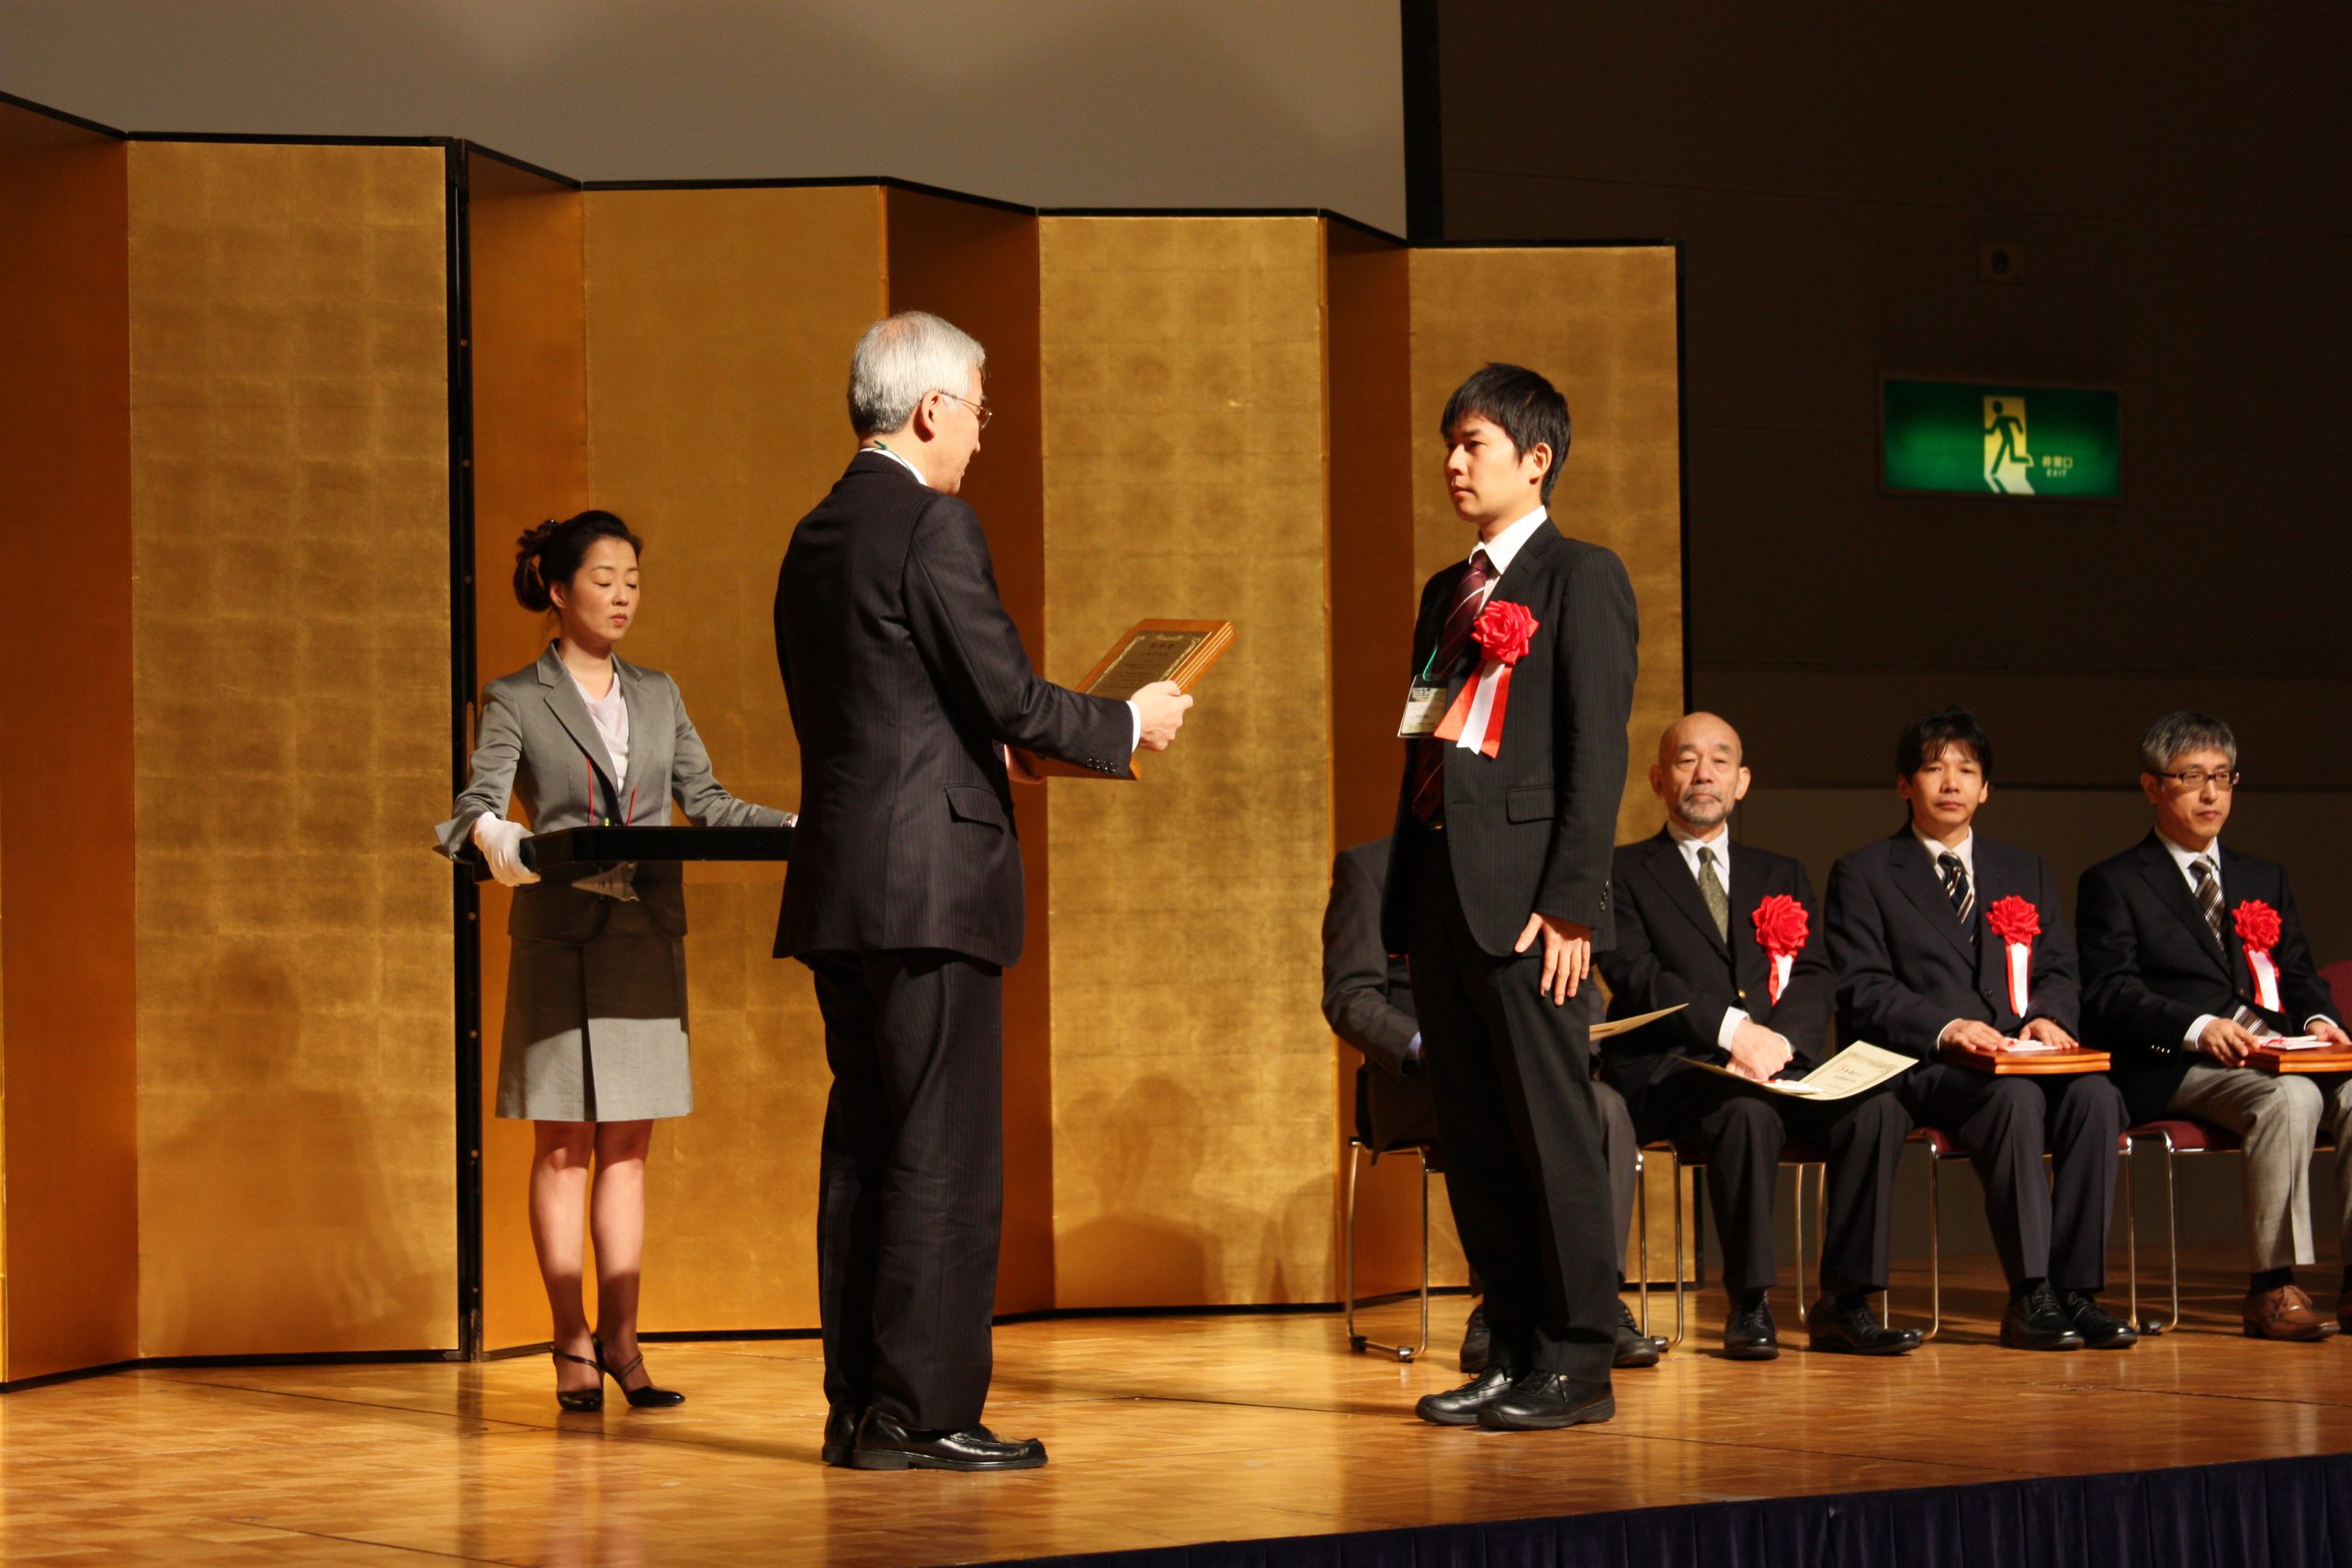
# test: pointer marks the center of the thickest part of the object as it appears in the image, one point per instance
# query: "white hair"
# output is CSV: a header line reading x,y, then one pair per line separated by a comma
x,y
899,360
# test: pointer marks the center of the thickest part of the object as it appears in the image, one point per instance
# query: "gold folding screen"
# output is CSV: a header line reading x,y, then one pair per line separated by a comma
x,y
290,632
234,1134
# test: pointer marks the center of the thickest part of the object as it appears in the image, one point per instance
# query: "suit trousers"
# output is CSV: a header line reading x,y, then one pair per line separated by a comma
x,y
910,1194
1619,1145
1741,1128
1521,1133
2052,1229
2278,1118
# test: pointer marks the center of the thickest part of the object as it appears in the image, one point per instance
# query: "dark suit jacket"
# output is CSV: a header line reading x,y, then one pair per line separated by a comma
x,y
1530,830
1368,1001
1906,966
1668,952
2151,967
904,672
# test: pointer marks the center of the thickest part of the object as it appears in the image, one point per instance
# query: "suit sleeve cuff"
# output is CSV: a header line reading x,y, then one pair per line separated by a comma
x,y
1733,1019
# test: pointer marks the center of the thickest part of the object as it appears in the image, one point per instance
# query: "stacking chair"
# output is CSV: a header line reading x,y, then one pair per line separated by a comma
x,y
1942,1147
1803,1157
1409,1121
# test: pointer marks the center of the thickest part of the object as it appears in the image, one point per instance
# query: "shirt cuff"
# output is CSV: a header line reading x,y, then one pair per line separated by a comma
x,y
2319,1017
1733,1019
1947,1029
1413,1048
1135,728
2196,1030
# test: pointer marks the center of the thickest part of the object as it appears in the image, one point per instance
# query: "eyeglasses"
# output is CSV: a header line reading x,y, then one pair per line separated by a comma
x,y
2196,779
980,412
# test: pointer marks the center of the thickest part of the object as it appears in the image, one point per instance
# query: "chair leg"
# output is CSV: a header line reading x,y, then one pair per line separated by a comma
x,y
1796,1211
1422,1349
1348,1248
1935,1249
2131,1236
1681,1321
1642,1224
2172,1231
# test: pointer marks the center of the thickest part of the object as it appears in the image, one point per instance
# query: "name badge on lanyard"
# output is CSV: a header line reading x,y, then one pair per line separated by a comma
x,y
1424,707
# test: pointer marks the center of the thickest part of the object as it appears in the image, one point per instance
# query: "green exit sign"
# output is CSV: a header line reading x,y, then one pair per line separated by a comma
x,y
1999,438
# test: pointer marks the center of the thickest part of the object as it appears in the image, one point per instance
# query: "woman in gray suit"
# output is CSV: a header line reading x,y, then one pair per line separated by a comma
x,y
594,1049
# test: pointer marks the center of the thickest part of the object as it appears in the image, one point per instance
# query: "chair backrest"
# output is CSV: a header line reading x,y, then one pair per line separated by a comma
x,y
2338,976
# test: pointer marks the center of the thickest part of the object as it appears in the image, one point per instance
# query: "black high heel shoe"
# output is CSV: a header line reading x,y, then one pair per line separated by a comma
x,y
587,1399
645,1398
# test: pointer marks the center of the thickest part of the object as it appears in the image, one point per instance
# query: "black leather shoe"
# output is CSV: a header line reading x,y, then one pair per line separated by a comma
x,y
1475,1342
1849,1326
2036,1322
1541,1402
1460,1407
841,1433
2099,1331
1749,1334
1635,1348
883,1444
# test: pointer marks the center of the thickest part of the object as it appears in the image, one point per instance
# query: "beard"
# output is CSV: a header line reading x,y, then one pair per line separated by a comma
x,y
1702,810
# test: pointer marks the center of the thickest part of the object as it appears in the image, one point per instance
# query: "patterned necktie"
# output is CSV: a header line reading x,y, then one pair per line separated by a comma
x,y
1956,888
1711,888
1453,643
2208,898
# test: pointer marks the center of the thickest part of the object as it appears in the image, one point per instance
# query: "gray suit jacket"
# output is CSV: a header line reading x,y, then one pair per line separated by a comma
x,y
535,734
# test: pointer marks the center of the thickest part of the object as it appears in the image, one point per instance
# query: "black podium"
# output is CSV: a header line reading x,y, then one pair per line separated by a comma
x,y
610,846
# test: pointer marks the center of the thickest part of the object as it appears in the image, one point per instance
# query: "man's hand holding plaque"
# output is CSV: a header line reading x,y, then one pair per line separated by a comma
x,y
1151,667
1159,712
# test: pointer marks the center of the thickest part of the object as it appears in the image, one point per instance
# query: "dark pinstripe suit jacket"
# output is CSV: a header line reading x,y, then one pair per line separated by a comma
x,y
1906,966
1533,828
904,672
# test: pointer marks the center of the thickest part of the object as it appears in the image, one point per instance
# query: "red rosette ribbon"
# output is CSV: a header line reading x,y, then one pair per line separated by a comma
x,y
1781,927
2016,922
1474,722
2258,928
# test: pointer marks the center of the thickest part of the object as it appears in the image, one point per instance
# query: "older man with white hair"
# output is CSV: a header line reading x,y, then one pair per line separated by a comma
x,y
907,682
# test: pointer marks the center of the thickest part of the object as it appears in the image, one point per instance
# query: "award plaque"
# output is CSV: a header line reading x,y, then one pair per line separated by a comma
x,y
2300,1054
2033,1060
1180,651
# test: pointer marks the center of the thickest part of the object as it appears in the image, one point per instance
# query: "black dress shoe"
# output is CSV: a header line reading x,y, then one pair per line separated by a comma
x,y
1846,1325
1475,1342
841,1433
2099,1331
1749,1334
1460,1407
883,1444
645,1398
2035,1321
1635,1348
1541,1402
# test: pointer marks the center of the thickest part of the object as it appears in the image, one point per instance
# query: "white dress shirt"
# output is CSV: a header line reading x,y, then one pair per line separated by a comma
x,y
1504,548
1720,842
610,714
2186,858
1135,714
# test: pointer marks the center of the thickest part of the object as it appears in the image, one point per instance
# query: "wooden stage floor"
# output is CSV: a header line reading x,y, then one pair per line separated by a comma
x,y
1162,1430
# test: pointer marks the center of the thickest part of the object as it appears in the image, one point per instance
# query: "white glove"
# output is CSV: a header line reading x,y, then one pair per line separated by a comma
x,y
500,841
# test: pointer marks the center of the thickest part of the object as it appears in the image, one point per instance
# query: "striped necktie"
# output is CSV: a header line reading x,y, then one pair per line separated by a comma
x,y
2208,898
1956,888
1711,888
1453,643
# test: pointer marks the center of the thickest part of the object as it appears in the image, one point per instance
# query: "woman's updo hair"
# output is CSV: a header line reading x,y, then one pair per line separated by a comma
x,y
552,552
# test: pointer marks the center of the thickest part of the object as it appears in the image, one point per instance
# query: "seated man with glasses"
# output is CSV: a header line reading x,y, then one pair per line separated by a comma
x,y
2191,954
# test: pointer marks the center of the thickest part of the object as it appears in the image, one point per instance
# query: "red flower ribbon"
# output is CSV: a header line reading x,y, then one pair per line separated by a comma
x,y
1781,927
2258,928
2016,922
1502,632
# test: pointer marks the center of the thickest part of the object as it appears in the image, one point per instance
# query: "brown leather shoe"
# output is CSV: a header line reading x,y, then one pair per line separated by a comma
x,y
2285,1313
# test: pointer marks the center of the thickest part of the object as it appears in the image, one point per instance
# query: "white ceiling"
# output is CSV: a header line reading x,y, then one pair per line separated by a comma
x,y
1056,103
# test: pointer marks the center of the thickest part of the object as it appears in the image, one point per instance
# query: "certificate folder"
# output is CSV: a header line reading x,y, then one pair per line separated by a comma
x,y
610,846
1181,651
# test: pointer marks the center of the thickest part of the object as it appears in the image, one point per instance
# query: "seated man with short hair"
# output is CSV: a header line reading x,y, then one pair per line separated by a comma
x,y
2191,954
1725,932
1921,926
1368,1001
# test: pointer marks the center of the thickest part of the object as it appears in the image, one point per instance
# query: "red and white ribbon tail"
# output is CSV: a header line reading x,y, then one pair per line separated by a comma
x,y
2020,955
1783,963
2266,977
1482,726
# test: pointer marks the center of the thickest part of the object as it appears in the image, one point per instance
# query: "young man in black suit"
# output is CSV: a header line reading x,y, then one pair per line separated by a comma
x,y
907,681
2174,988
1522,680
1368,1001
1920,928
1730,934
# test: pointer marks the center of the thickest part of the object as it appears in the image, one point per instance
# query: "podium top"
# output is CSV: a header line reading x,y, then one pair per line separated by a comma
x,y
605,846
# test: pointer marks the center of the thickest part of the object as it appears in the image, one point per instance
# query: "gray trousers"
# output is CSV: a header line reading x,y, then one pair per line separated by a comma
x,y
2280,1119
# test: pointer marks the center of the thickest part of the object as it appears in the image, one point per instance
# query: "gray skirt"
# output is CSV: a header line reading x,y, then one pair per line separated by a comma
x,y
597,1031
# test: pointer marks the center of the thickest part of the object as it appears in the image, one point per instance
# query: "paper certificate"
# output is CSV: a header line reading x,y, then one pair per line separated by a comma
x,y
1854,1070
1617,1026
